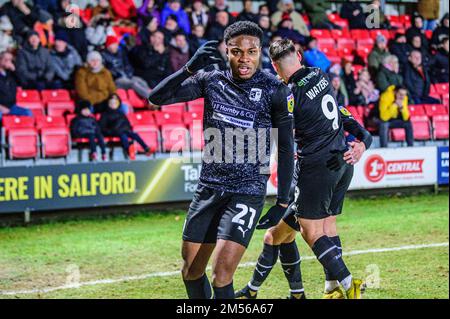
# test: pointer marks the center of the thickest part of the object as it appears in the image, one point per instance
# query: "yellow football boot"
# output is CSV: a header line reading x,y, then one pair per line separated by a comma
x,y
336,293
354,292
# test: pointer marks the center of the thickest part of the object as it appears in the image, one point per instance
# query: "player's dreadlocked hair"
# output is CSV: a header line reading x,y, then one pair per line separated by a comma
x,y
280,48
242,28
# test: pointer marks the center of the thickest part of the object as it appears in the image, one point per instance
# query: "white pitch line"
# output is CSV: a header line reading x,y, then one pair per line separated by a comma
x,y
174,273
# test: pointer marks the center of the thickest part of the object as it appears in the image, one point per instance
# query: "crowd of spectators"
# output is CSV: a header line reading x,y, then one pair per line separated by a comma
x,y
53,44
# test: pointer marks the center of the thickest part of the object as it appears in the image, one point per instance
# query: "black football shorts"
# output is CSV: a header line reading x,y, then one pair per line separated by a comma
x,y
321,191
214,214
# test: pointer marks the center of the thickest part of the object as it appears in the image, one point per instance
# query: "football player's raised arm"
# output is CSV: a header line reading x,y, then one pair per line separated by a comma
x,y
178,87
282,120
353,127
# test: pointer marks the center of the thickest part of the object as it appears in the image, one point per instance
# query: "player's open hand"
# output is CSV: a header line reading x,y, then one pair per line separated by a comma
x,y
353,155
272,217
203,57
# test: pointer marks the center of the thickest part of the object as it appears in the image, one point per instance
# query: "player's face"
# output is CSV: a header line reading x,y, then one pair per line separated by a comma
x,y
244,54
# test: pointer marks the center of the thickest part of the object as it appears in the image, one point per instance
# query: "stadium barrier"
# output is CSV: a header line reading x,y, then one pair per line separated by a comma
x,y
87,185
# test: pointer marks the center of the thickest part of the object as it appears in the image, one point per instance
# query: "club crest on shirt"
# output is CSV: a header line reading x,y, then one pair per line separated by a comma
x,y
290,103
255,94
345,111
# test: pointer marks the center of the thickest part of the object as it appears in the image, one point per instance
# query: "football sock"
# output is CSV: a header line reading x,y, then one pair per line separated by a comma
x,y
330,281
265,263
198,288
226,292
290,261
346,282
330,257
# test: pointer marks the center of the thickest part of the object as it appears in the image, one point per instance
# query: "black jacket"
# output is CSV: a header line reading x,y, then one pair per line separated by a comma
x,y
355,22
114,123
440,32
440,69
117,64
400,50
418,86
215,32
412,32
22,23
8,87
151,65
82,126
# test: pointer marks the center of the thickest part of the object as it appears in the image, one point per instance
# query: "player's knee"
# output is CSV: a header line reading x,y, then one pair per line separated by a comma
x,y
190,272
222,276
311,235
290,238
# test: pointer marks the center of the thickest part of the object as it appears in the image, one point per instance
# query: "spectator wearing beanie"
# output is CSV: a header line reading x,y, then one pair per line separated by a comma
x,y
286,30
123,9
94,83
65,60
34,67
316,58
287,7
116,61
173,7
378,53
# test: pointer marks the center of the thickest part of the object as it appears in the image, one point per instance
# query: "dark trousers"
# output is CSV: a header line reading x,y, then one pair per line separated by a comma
x,y
93,143
133,136
426,100
384,131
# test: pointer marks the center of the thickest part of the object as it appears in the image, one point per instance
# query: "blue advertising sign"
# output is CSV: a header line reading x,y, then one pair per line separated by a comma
x,y
442,165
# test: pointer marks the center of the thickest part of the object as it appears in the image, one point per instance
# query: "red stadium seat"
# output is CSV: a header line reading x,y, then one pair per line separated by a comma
x,y
197,105
346,43
363,53
435,109
176,107
144,118
150,135
174,138
334,59
338,34
320,33
416,109
12,122
123,95
27,96
135,100
59,108
23,143
440,127
398,134
365,43
433,92
360,34
329,51
421,127
442,88
189,117
398,25
36,107
334,17
326,43
55,95
342,23
55,141
163,118
50,121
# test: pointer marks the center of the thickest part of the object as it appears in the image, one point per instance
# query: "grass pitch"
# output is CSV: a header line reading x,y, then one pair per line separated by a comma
x,y
118,248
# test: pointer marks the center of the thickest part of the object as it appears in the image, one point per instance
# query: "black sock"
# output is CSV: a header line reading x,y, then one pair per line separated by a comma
x,y
337,241
330,257
226,292
265,263
198,288
290,261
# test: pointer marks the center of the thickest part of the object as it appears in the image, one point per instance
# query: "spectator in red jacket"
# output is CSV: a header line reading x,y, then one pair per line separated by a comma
x,y
123,9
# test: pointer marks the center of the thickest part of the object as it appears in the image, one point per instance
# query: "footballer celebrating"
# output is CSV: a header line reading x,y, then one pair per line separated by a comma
x,y
279,240
324,175
230,195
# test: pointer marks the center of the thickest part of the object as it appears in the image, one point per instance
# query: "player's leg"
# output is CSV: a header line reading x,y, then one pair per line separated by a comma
x,y
290,261
332,287
195,259
225,261
199,238
235,231
273,238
